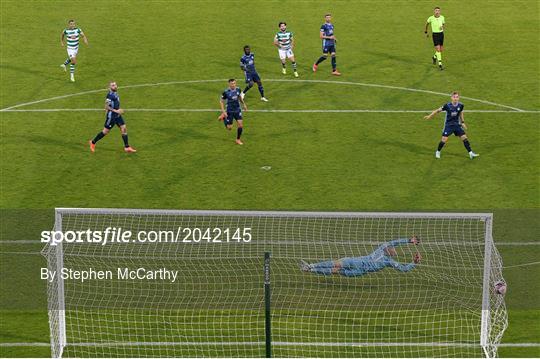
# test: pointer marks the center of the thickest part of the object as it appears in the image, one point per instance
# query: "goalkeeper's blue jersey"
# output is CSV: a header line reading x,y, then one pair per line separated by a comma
x,y
377,260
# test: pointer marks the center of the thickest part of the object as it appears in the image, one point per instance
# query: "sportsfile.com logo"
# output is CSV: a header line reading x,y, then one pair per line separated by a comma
x,y
118,235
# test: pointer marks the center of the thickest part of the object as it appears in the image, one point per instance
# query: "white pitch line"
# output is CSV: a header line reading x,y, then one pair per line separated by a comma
x,y
323,344
268,80
257,110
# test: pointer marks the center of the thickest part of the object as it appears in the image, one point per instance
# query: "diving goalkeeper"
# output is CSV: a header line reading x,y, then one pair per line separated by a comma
x,y
374,262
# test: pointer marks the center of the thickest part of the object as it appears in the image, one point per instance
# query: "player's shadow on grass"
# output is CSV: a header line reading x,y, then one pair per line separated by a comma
x,y
38,73
407,146
172,136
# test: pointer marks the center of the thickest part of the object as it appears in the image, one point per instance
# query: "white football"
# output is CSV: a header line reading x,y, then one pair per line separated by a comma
x,y
500,287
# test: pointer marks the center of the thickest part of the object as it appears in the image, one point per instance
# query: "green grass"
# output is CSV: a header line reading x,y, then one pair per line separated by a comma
x,y
320,161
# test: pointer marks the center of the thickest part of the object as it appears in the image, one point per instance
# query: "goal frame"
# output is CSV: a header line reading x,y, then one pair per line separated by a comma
x,y
57,317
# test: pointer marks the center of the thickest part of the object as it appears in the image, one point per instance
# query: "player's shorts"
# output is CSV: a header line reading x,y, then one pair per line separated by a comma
x,y
285,54
72,52
111,121
231,116
252,76
329,49
438,38
453,129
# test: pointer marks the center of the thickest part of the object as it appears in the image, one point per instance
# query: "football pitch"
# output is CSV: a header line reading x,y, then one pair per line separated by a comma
x,y
357,142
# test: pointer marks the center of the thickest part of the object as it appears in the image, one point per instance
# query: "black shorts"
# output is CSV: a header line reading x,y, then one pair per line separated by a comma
x,y
111,121
453,130
231,116
329,49
438,38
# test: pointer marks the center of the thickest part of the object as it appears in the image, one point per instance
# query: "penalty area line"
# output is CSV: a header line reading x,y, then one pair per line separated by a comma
x,y
257,110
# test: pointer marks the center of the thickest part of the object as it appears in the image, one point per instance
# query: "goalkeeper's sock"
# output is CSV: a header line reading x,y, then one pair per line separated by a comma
x,y
98,137
321,59
67,61
239,132
125,139
438,54
441,145
467,145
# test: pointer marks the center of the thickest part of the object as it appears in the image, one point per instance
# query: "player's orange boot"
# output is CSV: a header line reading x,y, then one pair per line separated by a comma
x,y
92,146
314,68
336,73
238,142
130,149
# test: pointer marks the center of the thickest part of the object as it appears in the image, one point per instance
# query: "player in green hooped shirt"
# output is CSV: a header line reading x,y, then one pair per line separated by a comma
x,y
70,39
437,30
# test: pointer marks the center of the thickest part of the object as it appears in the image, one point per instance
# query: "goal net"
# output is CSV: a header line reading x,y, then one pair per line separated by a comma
x,y
163,283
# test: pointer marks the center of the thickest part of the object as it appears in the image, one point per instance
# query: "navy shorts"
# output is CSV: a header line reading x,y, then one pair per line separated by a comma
x,y
438,38
252,76
110,122
453,129
329,49
231,116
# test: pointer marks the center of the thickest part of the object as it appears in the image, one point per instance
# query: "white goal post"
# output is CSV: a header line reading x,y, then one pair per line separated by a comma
x,y
190,283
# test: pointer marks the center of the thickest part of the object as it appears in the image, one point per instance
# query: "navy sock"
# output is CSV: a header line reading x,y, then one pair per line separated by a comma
x,y
467,145
247,88
98,137
125,138
321,59
334,63
239,132
441,145
261,90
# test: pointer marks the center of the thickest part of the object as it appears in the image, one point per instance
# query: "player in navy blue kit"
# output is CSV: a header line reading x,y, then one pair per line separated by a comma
x,y
453,124
247,64
328,44
232,96
114,117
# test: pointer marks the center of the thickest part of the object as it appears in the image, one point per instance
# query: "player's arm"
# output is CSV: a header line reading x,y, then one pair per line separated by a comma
x,y
276,42
292,42
62,38
242,65
222,105
406,267
323,36
243,103
426,28
85,39
435,112
462,120
109,108
398,242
